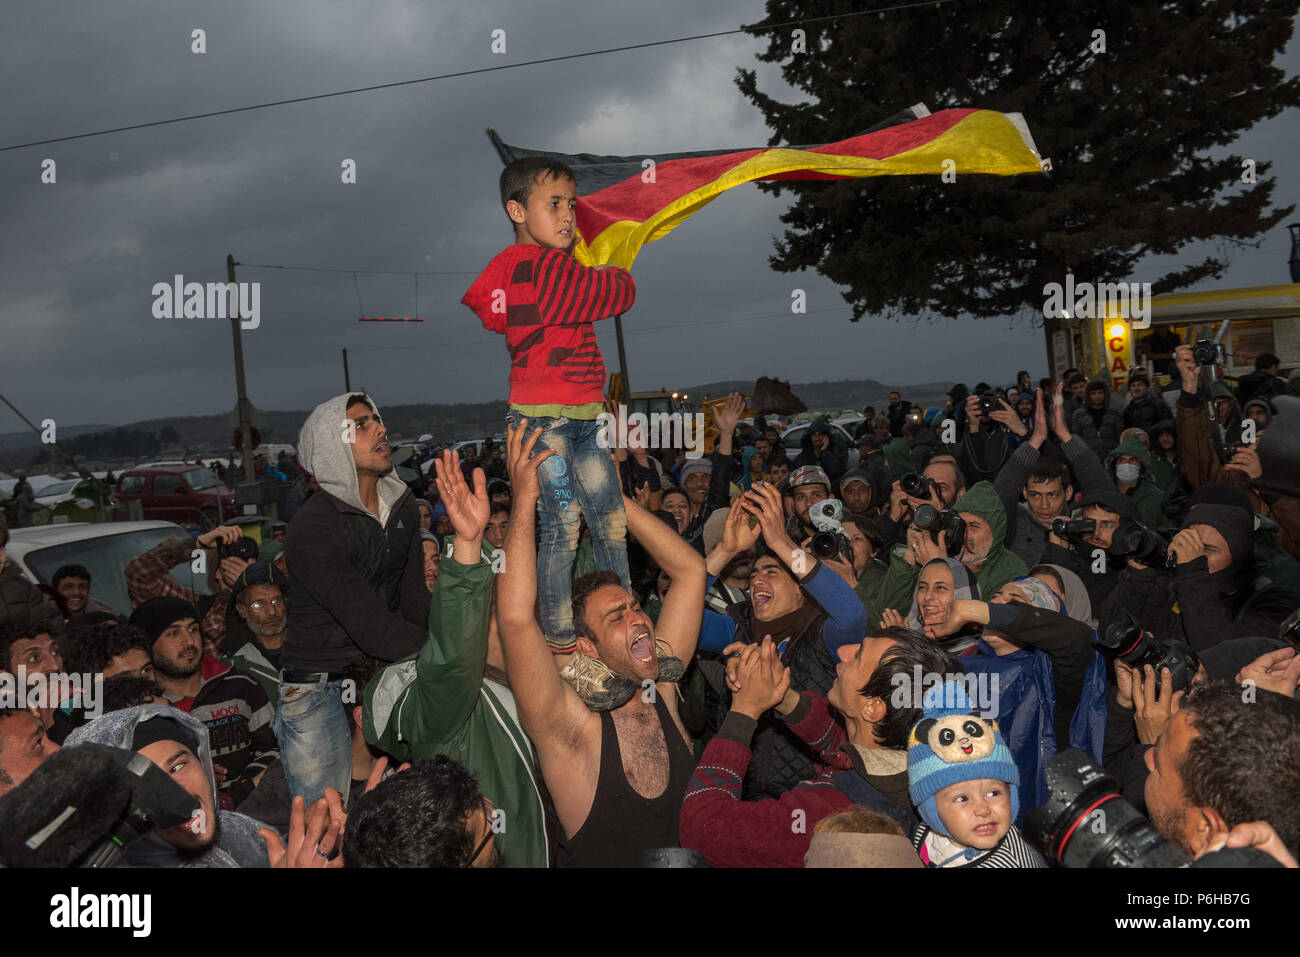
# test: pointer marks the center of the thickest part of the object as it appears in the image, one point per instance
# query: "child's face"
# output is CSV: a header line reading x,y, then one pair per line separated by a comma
x,y
976,813
548,219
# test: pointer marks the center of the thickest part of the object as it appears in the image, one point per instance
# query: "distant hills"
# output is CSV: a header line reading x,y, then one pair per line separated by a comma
x,y
106,445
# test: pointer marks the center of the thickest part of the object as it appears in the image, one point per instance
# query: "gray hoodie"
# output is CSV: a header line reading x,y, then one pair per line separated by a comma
x,y
238,844
324,453
356,584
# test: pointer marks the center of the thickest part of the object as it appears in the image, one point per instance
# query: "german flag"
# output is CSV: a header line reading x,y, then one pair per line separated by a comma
x,y
625,202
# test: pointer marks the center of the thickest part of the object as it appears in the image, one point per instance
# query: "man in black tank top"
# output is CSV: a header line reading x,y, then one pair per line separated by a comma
x,y
617,778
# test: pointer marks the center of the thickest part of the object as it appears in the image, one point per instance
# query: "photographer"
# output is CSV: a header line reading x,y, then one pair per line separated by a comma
x,y
1214,592
1222,762
1088,554
807,609
940,484
1043,482
149,576
1202,466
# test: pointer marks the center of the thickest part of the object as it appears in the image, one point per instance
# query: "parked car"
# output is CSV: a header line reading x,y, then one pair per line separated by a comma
x,y
189,494
74,500
104,549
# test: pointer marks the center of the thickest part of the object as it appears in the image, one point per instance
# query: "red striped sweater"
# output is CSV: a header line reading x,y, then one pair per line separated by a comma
x,y
545,302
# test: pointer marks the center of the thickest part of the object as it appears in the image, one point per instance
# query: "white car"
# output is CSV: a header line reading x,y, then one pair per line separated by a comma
x,y
105,549
65,491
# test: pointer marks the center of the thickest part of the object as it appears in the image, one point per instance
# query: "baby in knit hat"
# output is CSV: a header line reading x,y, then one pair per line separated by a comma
x,y
965,787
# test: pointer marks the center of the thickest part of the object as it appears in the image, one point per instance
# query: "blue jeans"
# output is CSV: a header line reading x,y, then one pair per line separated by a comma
x,y
315,738
579,479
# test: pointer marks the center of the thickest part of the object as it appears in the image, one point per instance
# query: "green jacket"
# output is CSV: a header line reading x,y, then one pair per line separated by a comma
x,y
249,657
868,590
439,702
1147,496
1001,566
899,456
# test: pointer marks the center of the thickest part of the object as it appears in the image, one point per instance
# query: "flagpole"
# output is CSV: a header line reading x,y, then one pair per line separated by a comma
x,y
622,353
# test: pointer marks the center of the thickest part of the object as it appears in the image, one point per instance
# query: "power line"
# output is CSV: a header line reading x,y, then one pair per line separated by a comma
x,y
377,272
460,73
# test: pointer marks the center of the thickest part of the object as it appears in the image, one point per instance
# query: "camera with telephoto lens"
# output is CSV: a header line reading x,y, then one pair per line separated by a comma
x,y
243,547
917,486
829,541
1134,540
1077,528
1087,823
1127,642
936,520
1207,352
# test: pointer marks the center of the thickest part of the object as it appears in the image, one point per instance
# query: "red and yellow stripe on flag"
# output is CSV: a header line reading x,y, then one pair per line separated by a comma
x,y
616,221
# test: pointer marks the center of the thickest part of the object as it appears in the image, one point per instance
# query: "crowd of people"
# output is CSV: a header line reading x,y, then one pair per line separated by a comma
x,y
563,654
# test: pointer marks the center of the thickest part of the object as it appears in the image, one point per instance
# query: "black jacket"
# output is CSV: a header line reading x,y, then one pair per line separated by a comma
x,y
355,589
781,758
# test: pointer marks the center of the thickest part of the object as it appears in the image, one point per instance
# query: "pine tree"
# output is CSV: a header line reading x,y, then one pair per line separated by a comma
x,y
1128,117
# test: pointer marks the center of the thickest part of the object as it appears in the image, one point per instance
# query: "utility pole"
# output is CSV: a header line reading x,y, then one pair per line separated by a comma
x,y
245,419
347,380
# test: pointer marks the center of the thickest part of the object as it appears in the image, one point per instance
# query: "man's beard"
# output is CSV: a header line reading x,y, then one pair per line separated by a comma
x,y
263,630
1169,823
170,669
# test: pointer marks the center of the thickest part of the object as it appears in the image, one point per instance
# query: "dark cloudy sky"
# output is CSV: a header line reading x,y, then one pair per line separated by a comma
x,y
78,342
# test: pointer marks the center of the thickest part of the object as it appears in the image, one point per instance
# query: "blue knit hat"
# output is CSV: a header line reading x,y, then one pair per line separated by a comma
x,y
951,744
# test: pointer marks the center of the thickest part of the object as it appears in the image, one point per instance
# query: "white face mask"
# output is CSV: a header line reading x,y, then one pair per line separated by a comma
x,y
1128,472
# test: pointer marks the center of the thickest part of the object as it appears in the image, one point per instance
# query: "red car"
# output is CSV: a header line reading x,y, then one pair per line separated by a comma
x,y
189,494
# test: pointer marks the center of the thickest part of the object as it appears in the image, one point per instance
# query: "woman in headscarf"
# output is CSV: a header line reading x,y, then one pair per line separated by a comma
x,y
1047,683
942,581
1070,588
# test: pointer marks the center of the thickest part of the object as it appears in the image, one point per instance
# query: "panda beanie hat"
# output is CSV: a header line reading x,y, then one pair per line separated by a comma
x,y
951,744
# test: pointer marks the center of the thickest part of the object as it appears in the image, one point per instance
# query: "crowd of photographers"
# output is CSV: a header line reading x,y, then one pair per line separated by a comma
x,y
947,647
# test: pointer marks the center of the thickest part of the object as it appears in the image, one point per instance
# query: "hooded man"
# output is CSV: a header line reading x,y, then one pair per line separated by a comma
x,y
1215,591
178,743
1129,464
818,450
356,586
229,701
985,550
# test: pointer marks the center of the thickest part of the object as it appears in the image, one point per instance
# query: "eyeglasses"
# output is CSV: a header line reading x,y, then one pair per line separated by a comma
x,y
261,604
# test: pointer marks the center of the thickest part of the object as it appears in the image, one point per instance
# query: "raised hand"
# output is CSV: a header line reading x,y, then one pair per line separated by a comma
x,y
763,501
522,464
314,834
1039,435
1059,425
740,532
729,413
